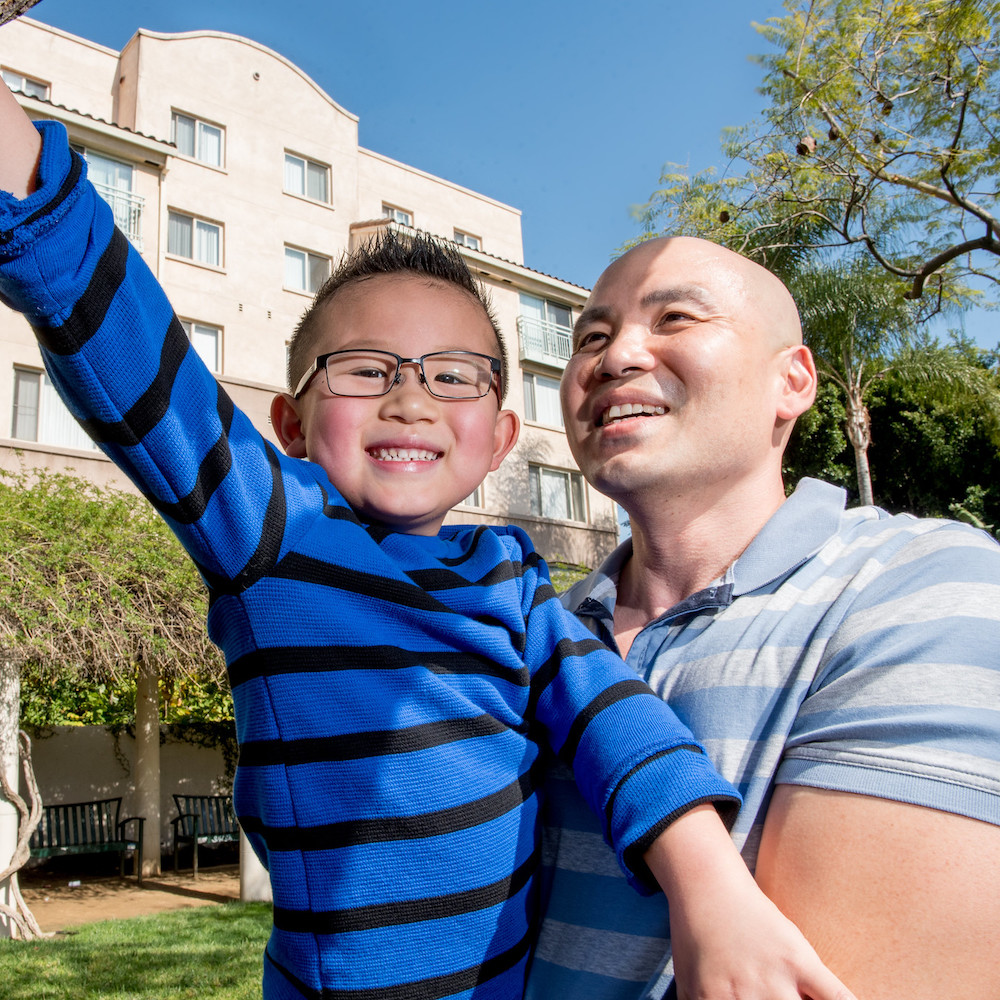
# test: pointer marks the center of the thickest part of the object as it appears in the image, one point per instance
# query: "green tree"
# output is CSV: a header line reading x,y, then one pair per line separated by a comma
x,y
94,587
883,128
861,330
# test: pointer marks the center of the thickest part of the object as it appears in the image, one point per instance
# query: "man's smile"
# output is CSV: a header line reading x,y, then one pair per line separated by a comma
x,y
625,411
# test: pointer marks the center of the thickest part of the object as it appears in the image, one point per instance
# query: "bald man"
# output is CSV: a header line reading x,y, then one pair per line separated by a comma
x,y
842,667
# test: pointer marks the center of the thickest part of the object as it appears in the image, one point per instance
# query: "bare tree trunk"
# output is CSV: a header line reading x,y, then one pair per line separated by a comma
x,y
859,433
17,820
147,763
10,698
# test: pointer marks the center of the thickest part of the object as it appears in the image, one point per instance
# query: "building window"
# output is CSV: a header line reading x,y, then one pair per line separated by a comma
x,y
474,499
197,139
305,271
25,85
40,415
472,242
546,330
207,342
399,215
113,181
307,179
557,494
194,238
541,400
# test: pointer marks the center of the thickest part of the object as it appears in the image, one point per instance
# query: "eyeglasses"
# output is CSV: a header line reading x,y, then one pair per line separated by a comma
x,y
446,374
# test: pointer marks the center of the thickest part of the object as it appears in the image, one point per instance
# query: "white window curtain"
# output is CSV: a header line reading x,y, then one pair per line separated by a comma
x,y
210,144
179,239
56,425
208,245
295,181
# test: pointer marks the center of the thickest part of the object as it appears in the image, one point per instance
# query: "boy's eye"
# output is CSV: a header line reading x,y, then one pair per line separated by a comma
x,y
455,378
368,373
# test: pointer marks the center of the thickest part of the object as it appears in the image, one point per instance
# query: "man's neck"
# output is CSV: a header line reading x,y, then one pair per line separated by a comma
x,y
680,547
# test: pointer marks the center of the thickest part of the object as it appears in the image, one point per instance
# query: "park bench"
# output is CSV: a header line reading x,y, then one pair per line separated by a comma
x,y
87,828
203,819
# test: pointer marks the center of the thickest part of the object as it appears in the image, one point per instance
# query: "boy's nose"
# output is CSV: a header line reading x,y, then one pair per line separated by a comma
x,y
409,398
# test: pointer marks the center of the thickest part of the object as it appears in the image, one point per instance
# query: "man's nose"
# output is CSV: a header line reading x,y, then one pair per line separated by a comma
x,y
628,350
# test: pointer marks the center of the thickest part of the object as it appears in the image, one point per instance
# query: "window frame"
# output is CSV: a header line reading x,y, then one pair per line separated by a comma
x,y
463,238
576,493
195,221
25,80
189,326
531,402
476,500
308,162
393,213
45,422
198,125
308,272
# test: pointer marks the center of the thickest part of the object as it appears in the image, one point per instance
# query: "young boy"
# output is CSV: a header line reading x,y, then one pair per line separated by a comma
x,y
394,681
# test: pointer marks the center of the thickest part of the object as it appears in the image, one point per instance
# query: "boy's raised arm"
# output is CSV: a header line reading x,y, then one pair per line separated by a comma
x,y
20,146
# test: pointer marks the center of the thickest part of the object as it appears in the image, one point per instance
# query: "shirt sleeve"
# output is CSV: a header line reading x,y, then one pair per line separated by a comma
x,y
906,704
637,766
123,364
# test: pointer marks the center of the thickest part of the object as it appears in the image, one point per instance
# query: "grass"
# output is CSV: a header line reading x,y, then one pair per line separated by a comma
x,y
205,952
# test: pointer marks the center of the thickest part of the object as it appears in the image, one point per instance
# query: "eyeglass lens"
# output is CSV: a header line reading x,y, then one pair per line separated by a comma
x,y
452,375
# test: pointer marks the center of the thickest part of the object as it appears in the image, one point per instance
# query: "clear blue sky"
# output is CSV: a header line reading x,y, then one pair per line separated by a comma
x,y
565,110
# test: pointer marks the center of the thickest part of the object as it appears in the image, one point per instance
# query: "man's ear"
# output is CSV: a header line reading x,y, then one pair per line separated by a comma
x,y
504,436
798,386
287,424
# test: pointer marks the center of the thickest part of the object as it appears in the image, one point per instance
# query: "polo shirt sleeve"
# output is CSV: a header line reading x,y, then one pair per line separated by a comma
x,y
906,703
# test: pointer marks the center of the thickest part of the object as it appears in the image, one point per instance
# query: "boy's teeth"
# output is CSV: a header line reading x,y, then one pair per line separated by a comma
x,y
404,455
630,410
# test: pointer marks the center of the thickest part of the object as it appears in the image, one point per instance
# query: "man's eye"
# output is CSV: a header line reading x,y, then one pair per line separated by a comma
x,y
590,341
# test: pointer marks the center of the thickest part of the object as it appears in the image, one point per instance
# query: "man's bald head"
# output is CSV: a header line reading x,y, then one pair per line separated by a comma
x,y
768,307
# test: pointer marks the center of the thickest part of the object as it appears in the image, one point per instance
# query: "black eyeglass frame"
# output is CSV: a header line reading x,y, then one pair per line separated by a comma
x,y
319,364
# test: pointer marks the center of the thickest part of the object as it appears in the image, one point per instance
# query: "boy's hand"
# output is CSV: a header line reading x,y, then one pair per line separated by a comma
x,y
729,941
9,9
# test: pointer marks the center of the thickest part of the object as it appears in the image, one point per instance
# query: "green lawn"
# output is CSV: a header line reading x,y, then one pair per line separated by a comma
x,y
204,953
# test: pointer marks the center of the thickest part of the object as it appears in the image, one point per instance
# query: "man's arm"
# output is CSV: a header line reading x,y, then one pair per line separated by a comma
x,y
21,146
902,902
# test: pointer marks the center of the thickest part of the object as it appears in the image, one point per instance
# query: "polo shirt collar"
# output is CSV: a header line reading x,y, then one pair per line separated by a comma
x,y
796,530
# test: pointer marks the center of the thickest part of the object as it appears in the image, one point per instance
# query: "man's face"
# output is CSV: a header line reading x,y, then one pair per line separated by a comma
x,y
407,457
671,385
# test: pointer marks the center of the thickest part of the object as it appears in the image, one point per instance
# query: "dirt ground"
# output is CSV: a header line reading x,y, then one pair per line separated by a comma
x,y
63,899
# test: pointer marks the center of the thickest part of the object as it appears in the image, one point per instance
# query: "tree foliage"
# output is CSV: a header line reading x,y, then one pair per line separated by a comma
x,y
92,582
882,130
861,329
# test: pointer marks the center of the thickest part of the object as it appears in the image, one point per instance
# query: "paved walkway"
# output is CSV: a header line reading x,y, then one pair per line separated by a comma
x,y
58,904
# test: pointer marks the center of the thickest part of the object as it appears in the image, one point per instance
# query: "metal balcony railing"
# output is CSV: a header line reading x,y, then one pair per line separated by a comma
x,y
127,209
544,342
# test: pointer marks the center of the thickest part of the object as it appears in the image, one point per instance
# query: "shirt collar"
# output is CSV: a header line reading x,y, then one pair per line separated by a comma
x,y
797,529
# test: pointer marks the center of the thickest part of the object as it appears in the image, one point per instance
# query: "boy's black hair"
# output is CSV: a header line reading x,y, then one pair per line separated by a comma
x,y
391,253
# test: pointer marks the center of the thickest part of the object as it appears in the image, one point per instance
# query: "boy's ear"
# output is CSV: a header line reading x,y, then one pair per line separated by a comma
x,y
798,388
504,436
287,424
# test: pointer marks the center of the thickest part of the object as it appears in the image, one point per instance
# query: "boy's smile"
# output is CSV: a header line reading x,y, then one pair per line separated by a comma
x,y
407,457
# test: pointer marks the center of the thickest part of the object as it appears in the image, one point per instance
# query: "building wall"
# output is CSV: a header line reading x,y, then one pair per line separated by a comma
x,y
120,105
83,763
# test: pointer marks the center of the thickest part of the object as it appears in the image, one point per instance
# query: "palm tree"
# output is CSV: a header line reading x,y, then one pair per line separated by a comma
x,y
860,329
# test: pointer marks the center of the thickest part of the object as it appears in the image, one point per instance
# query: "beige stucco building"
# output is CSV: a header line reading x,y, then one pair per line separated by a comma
x,y
240,180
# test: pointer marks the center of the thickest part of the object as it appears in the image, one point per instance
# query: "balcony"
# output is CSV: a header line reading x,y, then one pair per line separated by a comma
x,y
127,210
544,342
